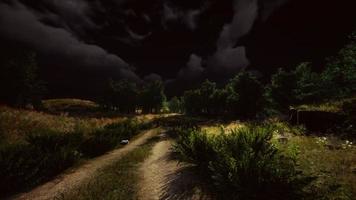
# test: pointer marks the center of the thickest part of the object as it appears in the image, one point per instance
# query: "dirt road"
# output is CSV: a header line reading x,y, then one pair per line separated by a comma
x,y
73,179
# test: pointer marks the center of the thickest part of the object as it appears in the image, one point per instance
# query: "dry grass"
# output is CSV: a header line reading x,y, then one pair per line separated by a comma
x,y
332,106
15,123
65,103
215,129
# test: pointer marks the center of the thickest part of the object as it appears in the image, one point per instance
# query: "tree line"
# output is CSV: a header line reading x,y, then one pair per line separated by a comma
x,y
127,97
244,96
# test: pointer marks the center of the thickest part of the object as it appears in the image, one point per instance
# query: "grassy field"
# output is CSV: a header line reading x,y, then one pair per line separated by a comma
x,y
329,161
36,146
58,116
15,124
329,106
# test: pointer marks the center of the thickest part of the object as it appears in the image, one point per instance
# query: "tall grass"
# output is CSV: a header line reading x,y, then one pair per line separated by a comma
x,y
15,124
44,153
110,136
242,163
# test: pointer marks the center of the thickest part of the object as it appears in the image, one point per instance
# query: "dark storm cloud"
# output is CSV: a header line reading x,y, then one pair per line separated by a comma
x,y
180,39
74,13
246,12
137,36
227,62
19,23
193,70
270,6
188,17
228,59
189,76
231,59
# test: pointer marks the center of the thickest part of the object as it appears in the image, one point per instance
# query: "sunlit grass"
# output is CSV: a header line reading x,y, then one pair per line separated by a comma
x,y
15,123
331,106
216,129
330,159
65,103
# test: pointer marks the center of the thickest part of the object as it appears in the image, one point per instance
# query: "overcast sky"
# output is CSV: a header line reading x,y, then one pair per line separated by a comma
x,y
177,41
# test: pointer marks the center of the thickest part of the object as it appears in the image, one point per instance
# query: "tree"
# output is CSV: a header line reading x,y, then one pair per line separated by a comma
x,y
246,95
281,92
309,85
339,78
152,97
125,96
192,102
175,105
207,91
19,81
219,101
121,96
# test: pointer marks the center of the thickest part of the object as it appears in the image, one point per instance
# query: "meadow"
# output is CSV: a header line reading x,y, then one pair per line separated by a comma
x,y
326,164
251,159
37,146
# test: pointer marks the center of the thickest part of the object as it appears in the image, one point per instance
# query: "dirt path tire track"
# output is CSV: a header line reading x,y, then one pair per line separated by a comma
x,y
163,178
72,180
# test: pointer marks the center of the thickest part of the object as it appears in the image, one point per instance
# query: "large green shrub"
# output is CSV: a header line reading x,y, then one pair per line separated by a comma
x,y
194,146
242,164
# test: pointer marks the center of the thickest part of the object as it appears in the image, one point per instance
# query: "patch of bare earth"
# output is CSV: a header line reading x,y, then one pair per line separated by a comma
x,y
162,177
71,180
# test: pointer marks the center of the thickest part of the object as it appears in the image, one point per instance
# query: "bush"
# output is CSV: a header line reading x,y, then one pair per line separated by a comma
x,y
109,137
51,141
194,146
242,164
45,155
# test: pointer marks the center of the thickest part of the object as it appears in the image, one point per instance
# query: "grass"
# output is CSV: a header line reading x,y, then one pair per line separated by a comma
x,y
330,159
330,106
15,124
63,104
242,163
36,146
45,153
118,181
